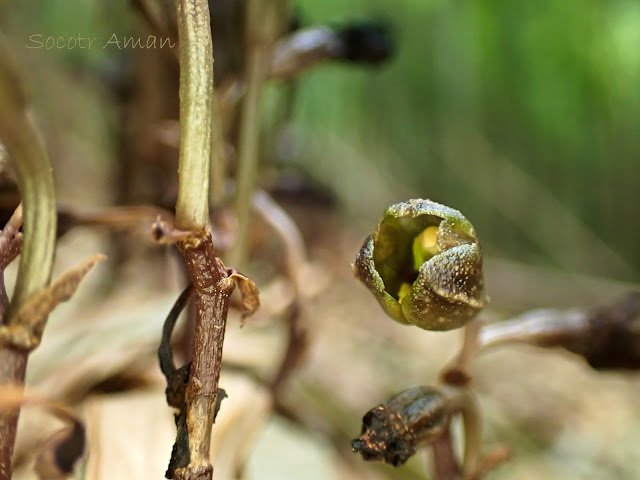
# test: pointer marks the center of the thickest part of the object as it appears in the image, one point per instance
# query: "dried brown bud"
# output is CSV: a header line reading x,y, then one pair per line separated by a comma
x,y
393,430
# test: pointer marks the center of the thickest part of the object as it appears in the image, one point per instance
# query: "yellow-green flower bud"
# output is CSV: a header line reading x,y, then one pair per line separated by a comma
x,y
424,265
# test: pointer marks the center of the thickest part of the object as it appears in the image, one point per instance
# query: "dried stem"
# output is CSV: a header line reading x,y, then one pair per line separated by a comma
x,y
445,463
165,356
29,159
297,343
213,289
60,452
10,246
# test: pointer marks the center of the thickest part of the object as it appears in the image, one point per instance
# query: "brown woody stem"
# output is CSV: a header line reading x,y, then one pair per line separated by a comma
x,y
213,289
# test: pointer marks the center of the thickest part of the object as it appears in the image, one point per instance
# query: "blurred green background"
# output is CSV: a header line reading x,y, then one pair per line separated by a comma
x,y
523,115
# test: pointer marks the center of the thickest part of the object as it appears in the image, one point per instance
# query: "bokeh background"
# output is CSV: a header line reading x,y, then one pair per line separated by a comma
x,y
523,115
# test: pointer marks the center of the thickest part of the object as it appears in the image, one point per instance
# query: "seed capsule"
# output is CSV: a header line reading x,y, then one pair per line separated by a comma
x,y
392,431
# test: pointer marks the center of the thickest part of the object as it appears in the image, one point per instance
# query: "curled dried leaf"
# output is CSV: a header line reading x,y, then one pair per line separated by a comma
x,y
250,295
24,330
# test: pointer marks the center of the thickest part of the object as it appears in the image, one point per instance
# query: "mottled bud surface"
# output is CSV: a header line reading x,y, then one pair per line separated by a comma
x,y
423,263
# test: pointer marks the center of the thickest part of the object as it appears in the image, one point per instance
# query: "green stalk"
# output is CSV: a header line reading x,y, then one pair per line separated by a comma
x,y
196,102
28,157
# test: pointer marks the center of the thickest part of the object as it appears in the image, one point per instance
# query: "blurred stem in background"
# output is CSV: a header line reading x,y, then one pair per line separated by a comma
x,y
264,23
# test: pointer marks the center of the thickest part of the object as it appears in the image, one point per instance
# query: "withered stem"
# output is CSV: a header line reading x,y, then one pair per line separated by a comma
x,y
10,246
213,289
165,355
444,457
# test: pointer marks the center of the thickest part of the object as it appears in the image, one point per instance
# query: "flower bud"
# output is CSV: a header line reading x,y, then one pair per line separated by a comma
x,y
423,263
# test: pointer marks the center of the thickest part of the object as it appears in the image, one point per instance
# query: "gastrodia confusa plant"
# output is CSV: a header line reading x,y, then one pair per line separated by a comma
x,y
423,263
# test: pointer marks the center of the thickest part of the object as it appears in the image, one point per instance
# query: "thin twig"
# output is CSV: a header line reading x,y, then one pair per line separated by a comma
x,y
10,247
490,460
114,218
445,463
177,379
297,335
297,343
154,18
60,453
165,356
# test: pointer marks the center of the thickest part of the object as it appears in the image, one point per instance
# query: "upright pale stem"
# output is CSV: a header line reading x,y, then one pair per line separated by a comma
x,y
196,101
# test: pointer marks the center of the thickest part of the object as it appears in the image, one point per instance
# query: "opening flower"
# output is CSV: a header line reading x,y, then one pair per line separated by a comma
x,y
423,263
